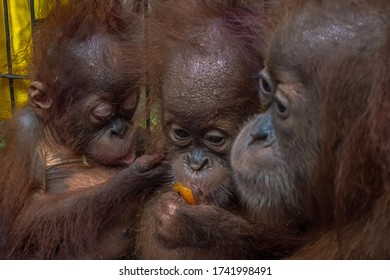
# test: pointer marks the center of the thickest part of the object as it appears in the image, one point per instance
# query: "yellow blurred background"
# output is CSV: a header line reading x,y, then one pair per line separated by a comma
x,y
19,18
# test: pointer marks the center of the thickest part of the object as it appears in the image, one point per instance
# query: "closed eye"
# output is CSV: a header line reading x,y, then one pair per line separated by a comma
x,y
102,111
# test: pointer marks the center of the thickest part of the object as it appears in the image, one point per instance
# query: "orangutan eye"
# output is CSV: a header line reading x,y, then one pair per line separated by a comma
x,y
130,103
180,135
265,84
265,87
215,137
282,106
102,111
217,141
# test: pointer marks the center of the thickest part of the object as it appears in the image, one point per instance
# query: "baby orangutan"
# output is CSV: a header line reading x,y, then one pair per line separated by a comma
x,y
70,183
207,92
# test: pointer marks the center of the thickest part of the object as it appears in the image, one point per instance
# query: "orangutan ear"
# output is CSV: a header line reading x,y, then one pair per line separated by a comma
x,y
38,96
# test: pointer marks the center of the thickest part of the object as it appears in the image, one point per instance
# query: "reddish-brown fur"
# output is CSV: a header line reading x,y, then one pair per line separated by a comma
x,y
330,60
204,57
65,190
316,181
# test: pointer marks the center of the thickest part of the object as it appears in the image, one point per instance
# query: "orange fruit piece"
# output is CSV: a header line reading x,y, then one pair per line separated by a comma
x,y
185,192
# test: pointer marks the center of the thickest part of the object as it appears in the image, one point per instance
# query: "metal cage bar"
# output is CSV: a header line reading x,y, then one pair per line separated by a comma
x,y
32,12
11,76
8,48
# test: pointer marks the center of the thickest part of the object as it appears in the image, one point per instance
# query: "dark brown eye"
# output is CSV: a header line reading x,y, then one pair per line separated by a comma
x,y
180,135
281,108
217,141
265,87
215,137
265,84
281,105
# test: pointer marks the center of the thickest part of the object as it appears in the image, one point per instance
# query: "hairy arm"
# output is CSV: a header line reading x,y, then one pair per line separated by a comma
x,y
172,229
365,238
42,225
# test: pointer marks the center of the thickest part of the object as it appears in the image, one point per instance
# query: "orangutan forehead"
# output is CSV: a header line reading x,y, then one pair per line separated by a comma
x,y
100,60
319,33
203,80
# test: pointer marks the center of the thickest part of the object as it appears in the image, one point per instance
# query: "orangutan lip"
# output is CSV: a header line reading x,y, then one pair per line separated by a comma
x,y
129,158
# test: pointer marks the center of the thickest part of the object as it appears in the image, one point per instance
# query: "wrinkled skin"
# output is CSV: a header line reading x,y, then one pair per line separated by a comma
x,y
71,184
304,162
200,122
